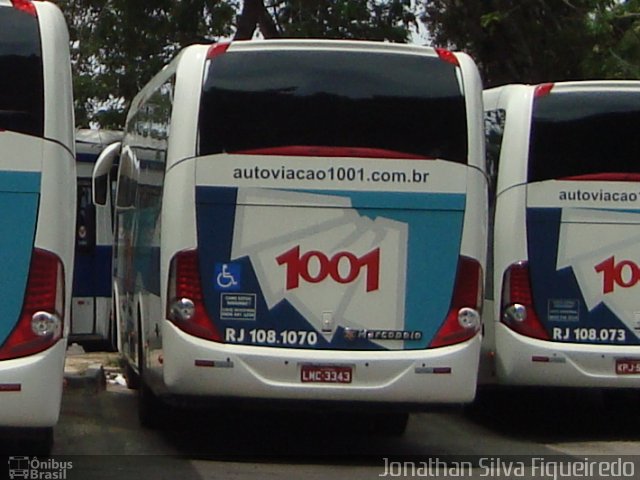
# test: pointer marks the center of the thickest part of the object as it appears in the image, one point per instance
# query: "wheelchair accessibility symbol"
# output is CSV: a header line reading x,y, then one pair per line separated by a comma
x,y
228,276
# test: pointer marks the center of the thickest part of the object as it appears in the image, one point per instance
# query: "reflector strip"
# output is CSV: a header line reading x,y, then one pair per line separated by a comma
x,y
543,359
213,363
10,387
318,151
537,358
204,363
434,370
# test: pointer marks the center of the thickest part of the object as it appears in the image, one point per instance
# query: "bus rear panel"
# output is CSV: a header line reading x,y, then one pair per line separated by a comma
x,y
36,192
568,312
335,206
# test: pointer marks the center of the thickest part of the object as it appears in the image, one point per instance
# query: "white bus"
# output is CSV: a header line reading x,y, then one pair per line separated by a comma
x,y
303,220
91,323
567,223
37,212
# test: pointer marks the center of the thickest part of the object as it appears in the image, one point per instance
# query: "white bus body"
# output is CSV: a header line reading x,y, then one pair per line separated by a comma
x,y
565,310
91,322
286,231
37,205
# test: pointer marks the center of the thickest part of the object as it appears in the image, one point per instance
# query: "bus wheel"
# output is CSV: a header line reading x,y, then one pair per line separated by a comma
x,y
130,376
150,408
112,334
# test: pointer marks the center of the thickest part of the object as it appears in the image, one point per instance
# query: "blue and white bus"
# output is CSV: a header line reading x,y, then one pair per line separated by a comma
x,y
37,211
303,220
92,325
567,223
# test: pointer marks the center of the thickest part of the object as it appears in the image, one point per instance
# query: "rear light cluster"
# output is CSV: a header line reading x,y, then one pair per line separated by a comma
x,y
185,300
217,49
41,320
543,90
518,311
447,56
463,320
26,6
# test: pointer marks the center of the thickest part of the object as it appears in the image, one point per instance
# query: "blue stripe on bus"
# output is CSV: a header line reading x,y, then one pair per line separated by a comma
x,y
18,217
398,200
20,182
92,273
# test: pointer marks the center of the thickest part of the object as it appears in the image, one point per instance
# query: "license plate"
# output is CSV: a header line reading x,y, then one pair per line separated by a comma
x,y
628,367
325,374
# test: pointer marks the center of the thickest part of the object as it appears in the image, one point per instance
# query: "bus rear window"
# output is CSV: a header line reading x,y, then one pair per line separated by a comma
x,y
584,134
21,80
398,102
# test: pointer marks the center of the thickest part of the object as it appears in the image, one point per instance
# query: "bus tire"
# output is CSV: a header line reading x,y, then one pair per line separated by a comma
x,y
112,333
150,407
131,377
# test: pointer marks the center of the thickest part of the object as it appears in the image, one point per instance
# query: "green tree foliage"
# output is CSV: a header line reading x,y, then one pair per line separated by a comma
x,y
344,19
118,45
540,40
616,53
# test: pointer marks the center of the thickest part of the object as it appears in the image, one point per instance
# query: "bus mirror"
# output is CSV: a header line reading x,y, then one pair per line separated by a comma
x,y
101,171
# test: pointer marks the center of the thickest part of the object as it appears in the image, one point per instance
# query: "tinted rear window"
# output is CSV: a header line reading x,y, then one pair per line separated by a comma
x,y
406,103
21,78
584,133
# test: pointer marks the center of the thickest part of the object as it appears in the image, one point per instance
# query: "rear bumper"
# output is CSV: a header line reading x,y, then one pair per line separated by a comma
x,y
409,377
569,365
31,388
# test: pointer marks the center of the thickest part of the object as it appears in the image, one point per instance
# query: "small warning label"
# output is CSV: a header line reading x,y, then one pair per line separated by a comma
x,y
237,306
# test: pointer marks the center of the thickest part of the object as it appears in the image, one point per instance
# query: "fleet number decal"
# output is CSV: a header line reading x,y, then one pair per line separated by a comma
x,y
343,267
597,335
270,336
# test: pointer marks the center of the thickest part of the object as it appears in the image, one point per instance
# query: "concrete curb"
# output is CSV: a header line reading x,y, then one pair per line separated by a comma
x,y
85,371
92,379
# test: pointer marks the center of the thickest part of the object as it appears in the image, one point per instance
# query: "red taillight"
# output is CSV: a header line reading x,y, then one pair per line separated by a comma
x,y
26,6
543,89
463,319
217,50
40,323
447,56
185,301
518,312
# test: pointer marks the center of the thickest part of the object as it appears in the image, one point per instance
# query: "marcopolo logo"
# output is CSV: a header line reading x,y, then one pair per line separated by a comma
x,y
36,469
342,267
624,274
